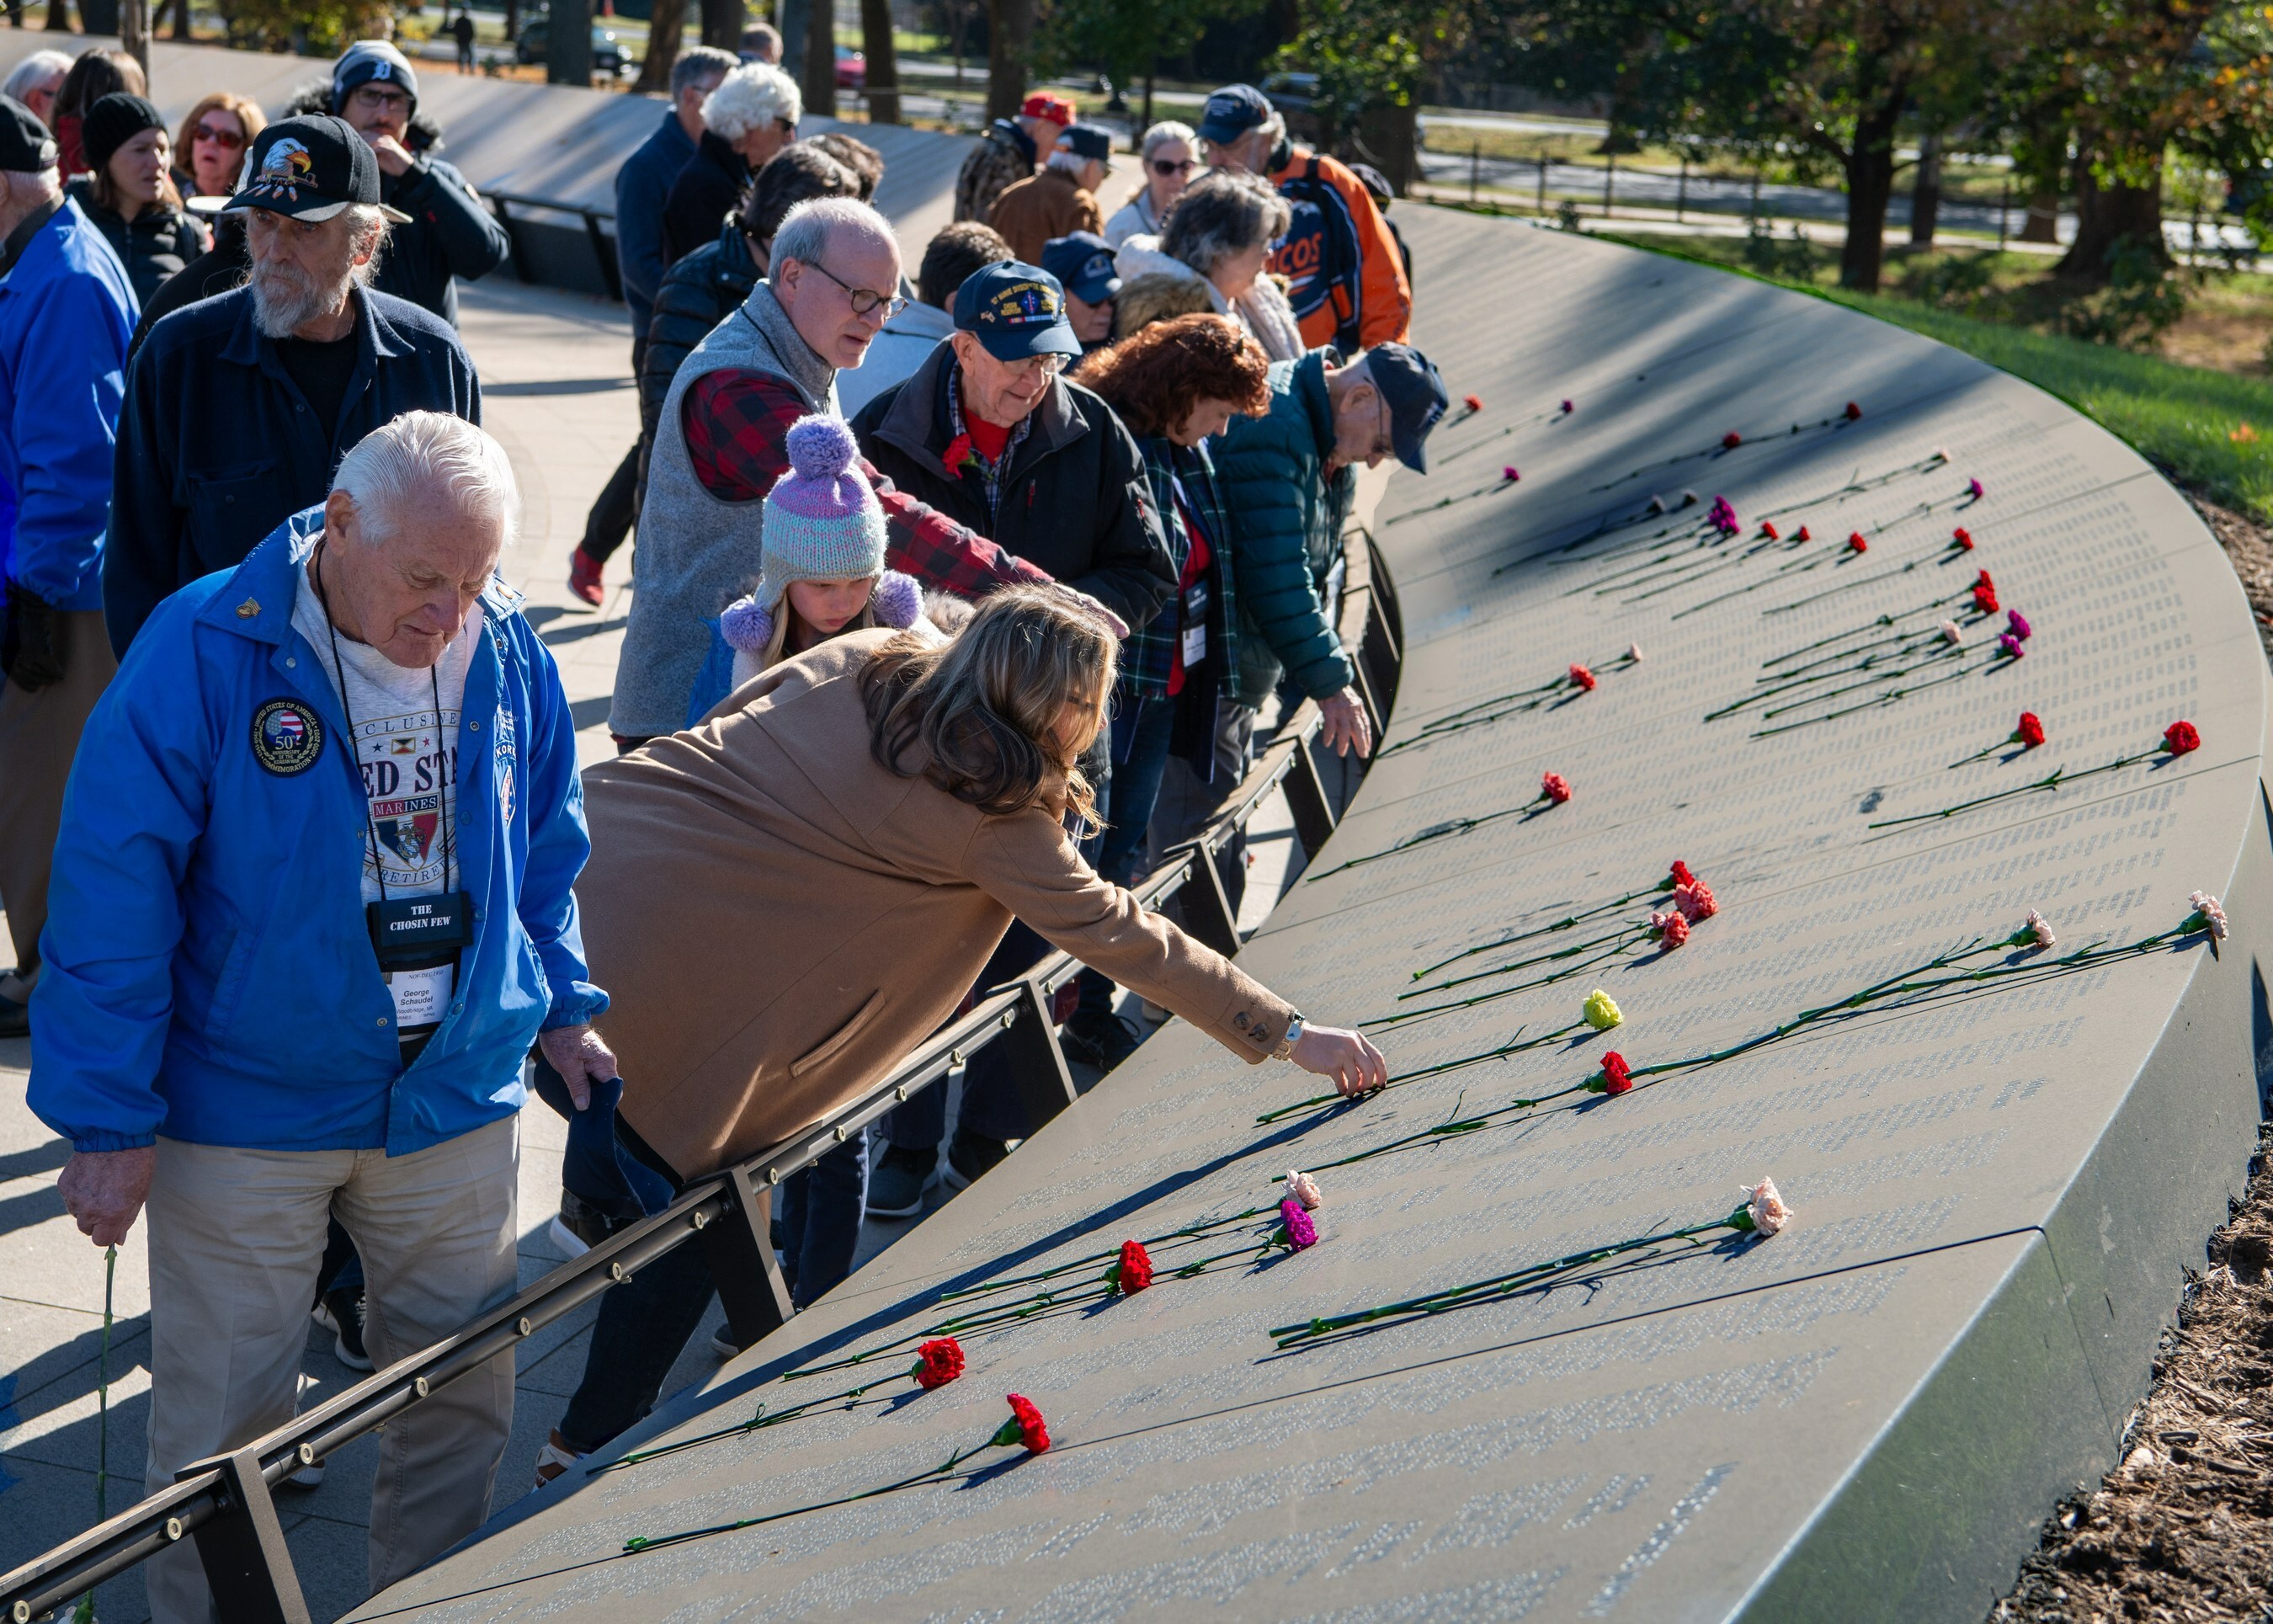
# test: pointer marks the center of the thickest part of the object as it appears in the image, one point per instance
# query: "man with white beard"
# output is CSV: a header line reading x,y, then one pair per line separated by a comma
x,y
239,409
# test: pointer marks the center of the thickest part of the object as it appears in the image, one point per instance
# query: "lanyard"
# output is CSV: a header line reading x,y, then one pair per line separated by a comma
x,y
370,829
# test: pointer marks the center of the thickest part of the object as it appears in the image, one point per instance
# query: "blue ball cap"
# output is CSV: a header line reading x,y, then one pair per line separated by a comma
x,y
1232,112
1414,395
1017,311
1084,264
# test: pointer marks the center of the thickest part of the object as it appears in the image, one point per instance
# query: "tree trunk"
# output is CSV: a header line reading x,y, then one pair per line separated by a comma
x,y
1147,102
819,79
722,24
1388,138
1925,191
567,43
2109,216
662,29
59,16
181,20
1870,187
883,91
1011,23
2042,223
134,33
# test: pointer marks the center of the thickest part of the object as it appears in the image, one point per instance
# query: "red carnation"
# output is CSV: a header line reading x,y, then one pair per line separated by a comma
x,y
1583,678
1670,929
1618,1076
2180,738
1855,543
1681,875
1026,1427
1767,529
1963,537
957,457
1853,412
1731,441
1696,901
1803,535
1134,1272
2030,732
1984,594
1472,403
1556,788
937,1363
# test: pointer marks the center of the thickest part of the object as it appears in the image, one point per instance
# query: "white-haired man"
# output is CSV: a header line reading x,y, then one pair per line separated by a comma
x,y
720,443
249,1020
239,408
751,115
64,301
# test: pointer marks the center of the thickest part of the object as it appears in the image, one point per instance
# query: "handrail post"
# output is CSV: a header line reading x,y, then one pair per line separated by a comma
x,y
1313,810
243,1548
1044,1084
604,252
1206,905
741,1257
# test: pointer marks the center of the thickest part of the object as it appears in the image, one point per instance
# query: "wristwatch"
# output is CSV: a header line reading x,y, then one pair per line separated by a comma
x,y
1286,1049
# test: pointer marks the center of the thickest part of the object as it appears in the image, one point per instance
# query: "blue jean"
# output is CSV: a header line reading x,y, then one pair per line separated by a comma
x,y
645,1323
1141,732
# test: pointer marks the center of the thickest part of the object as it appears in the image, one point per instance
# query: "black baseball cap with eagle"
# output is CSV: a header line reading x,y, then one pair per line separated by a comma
x,y
311,167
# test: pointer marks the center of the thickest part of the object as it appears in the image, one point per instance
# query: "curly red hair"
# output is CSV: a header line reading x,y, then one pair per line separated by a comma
x,y
1152,377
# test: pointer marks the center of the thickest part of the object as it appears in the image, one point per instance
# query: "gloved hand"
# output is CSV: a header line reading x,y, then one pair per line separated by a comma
x,y
31,647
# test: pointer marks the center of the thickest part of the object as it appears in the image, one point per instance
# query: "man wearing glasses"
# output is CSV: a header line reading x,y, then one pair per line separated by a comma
x,y
989,432
719,446
446,232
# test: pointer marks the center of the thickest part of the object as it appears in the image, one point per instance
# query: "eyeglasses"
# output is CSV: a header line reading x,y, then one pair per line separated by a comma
x,y
787,126
230,140
379,95
1047,365
1165,167
863,300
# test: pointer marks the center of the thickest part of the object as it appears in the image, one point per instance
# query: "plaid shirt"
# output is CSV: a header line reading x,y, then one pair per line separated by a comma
x,y
1148,653
737,426
990,474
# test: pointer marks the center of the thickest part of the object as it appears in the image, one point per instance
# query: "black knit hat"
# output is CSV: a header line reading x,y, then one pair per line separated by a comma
x,y
113,122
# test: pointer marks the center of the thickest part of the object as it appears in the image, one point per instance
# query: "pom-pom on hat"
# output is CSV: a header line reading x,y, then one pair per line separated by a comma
x,y
822,520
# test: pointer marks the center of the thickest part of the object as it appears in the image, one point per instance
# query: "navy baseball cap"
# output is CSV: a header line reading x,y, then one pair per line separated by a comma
x,y
1017,311
1089,141
311,167
1414,395
1232,112
1084,264
26,146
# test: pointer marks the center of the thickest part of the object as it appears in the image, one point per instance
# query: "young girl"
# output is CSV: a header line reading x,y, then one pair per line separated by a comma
x,y
821,572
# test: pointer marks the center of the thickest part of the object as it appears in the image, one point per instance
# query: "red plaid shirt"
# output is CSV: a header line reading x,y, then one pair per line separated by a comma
x,y
737,426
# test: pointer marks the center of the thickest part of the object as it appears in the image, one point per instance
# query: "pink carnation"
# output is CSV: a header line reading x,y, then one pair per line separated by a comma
x,y
1554,786
1695,900
1672,928
1764,1202
1950,633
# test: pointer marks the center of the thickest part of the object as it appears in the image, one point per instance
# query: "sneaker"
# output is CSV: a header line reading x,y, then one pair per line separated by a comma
x,y
307,1477
897,1183
582,1226
555,1458
584,577
970,1157
722,1342
1099,1038
341,1312
15,1018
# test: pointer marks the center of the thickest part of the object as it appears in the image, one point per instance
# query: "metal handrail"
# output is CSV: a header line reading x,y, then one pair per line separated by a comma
x,y
224,1501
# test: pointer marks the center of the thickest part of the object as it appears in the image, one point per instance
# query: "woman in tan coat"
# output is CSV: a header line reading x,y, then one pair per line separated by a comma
x,y
783,901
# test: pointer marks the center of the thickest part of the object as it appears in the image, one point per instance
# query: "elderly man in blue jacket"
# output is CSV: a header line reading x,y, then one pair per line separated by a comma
x,y
312,906
64,303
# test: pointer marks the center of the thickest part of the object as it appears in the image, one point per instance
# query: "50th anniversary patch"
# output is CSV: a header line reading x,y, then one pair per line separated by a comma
x,y
287,737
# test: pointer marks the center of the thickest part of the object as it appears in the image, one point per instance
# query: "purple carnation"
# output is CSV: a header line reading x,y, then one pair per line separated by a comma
x,y
2009,646
1301,1232
2017,624
747,625
898,600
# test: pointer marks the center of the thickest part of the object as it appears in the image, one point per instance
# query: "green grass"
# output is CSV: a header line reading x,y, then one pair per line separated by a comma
x,y
2181,418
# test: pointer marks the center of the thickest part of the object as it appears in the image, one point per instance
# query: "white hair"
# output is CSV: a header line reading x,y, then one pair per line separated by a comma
x,y
422,451
751,95
28,73
1166,130
1070,161
808,229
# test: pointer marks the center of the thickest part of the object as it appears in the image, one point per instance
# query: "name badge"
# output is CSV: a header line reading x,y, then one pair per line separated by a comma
x,y
418,940
422,997
1196,618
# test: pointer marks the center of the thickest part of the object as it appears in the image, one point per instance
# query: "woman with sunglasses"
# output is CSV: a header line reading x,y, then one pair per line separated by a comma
x,y
209,152
1170,160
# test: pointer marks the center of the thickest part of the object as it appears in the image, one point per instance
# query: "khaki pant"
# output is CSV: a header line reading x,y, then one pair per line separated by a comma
x,y
235,1239
39,735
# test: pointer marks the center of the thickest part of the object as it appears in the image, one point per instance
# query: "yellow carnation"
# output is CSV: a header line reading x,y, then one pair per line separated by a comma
x,y
1601,1012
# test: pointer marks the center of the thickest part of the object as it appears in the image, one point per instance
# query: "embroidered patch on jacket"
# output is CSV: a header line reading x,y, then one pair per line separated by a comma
x,y
287,737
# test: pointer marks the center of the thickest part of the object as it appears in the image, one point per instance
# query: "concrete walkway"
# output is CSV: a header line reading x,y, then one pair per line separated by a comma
x,y
556,392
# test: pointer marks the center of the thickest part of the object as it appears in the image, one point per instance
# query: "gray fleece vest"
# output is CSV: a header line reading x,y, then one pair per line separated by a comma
x,y
697,552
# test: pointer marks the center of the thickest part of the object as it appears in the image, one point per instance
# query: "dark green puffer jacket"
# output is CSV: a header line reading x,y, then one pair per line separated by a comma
x,y
1286,520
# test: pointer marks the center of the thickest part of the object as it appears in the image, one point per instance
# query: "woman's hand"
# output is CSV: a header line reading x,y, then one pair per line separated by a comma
x,y
1348,1057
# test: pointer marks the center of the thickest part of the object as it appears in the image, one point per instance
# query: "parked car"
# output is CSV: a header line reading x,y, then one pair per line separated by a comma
x,y
607,50
851,69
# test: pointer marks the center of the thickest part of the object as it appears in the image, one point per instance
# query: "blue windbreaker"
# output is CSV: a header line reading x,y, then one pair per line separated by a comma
x,y
207,972
66,311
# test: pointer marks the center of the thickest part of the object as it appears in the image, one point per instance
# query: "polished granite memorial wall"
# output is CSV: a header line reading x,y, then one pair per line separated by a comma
x,y
1997,1184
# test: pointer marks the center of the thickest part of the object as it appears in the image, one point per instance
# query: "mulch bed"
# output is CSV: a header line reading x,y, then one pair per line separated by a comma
x,y
2249,545
2183,1528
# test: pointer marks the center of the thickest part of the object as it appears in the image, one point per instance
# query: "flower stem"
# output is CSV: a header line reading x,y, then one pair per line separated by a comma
x,y
2058,777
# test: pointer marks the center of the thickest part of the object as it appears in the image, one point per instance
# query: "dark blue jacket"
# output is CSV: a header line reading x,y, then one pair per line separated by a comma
x,y
643,184
217,446
66,311
206,970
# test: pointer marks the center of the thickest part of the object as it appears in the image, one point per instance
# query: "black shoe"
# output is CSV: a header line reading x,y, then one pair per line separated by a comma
x,y
342,1312
1099,1038
15,1018
970,1157
897,1186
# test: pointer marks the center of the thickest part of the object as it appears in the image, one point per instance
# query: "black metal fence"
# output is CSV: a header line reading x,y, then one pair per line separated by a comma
x,y
224,1503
